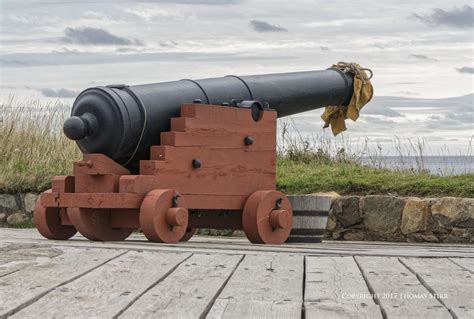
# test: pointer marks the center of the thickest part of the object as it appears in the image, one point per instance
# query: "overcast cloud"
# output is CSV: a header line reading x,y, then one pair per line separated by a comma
x,y
59,93
263,26
53,49
466,70
456,17
96,36
422,57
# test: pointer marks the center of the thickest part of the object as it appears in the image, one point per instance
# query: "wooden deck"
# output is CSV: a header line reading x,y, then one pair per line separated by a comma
x,y
230,278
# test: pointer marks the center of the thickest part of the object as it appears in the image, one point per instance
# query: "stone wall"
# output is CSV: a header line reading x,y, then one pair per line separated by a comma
x,y
412,219
17,209
372,217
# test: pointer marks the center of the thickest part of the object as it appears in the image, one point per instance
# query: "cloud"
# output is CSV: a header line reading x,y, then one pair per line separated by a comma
x,y
422,57
190,2
466,70
375,120
96,36
323,48
263,26
382,110
167,44
208,2
450,122
405,83
61,93
460,18
136,55
405,93
451,104
462,117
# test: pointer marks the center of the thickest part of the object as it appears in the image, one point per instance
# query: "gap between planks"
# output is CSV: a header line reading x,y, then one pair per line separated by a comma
x,y
211,303
264,286
151,287
371,289
335,288
448,282
428,287
399,291
464,263
187,292
33,299
107,289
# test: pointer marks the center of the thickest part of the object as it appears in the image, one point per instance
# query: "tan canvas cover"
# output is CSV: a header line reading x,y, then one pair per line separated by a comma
x,y
363,92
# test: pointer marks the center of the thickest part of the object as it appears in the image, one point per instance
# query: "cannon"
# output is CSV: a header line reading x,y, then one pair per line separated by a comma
x,y
169,158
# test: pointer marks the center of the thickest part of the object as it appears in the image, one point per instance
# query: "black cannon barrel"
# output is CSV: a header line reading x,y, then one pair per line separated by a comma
x,y
122,122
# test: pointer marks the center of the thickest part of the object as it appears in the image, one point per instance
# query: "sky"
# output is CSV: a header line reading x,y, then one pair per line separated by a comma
x,y
421,54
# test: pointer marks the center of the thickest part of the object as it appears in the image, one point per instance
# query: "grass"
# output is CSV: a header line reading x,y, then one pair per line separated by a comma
x,y
215,232
317,164
25,225
297,177
33,150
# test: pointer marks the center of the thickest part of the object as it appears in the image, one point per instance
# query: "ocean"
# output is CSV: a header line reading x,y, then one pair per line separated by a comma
x,y
437,165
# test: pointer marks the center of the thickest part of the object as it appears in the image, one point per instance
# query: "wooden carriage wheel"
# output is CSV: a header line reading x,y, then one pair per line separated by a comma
x,y
48,222
190,232
94,224
164,216
267,217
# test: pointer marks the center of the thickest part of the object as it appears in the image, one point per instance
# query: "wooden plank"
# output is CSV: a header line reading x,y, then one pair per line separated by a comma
x,y
217,113
195,125
335,288
96,183
98,164
92,200
222,172
268,286
454,285
188,291
221,127
125,218
398,291
108,289
14,257
240,245
21,288
142,184
62,184
467,263
262,141
238,309
3,245
215,202
181,157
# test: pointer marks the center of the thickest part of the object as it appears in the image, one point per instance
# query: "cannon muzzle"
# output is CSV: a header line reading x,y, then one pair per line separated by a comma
x,y
122,121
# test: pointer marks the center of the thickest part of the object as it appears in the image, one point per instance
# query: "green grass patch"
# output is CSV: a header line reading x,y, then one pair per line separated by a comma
x,y
33,147
347,177
24,225
215,232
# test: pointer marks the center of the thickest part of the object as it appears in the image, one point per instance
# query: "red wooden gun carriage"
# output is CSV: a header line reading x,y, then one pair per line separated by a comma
x,y
156,162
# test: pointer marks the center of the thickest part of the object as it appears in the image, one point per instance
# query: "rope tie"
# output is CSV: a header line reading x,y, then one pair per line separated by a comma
x,y
335,116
